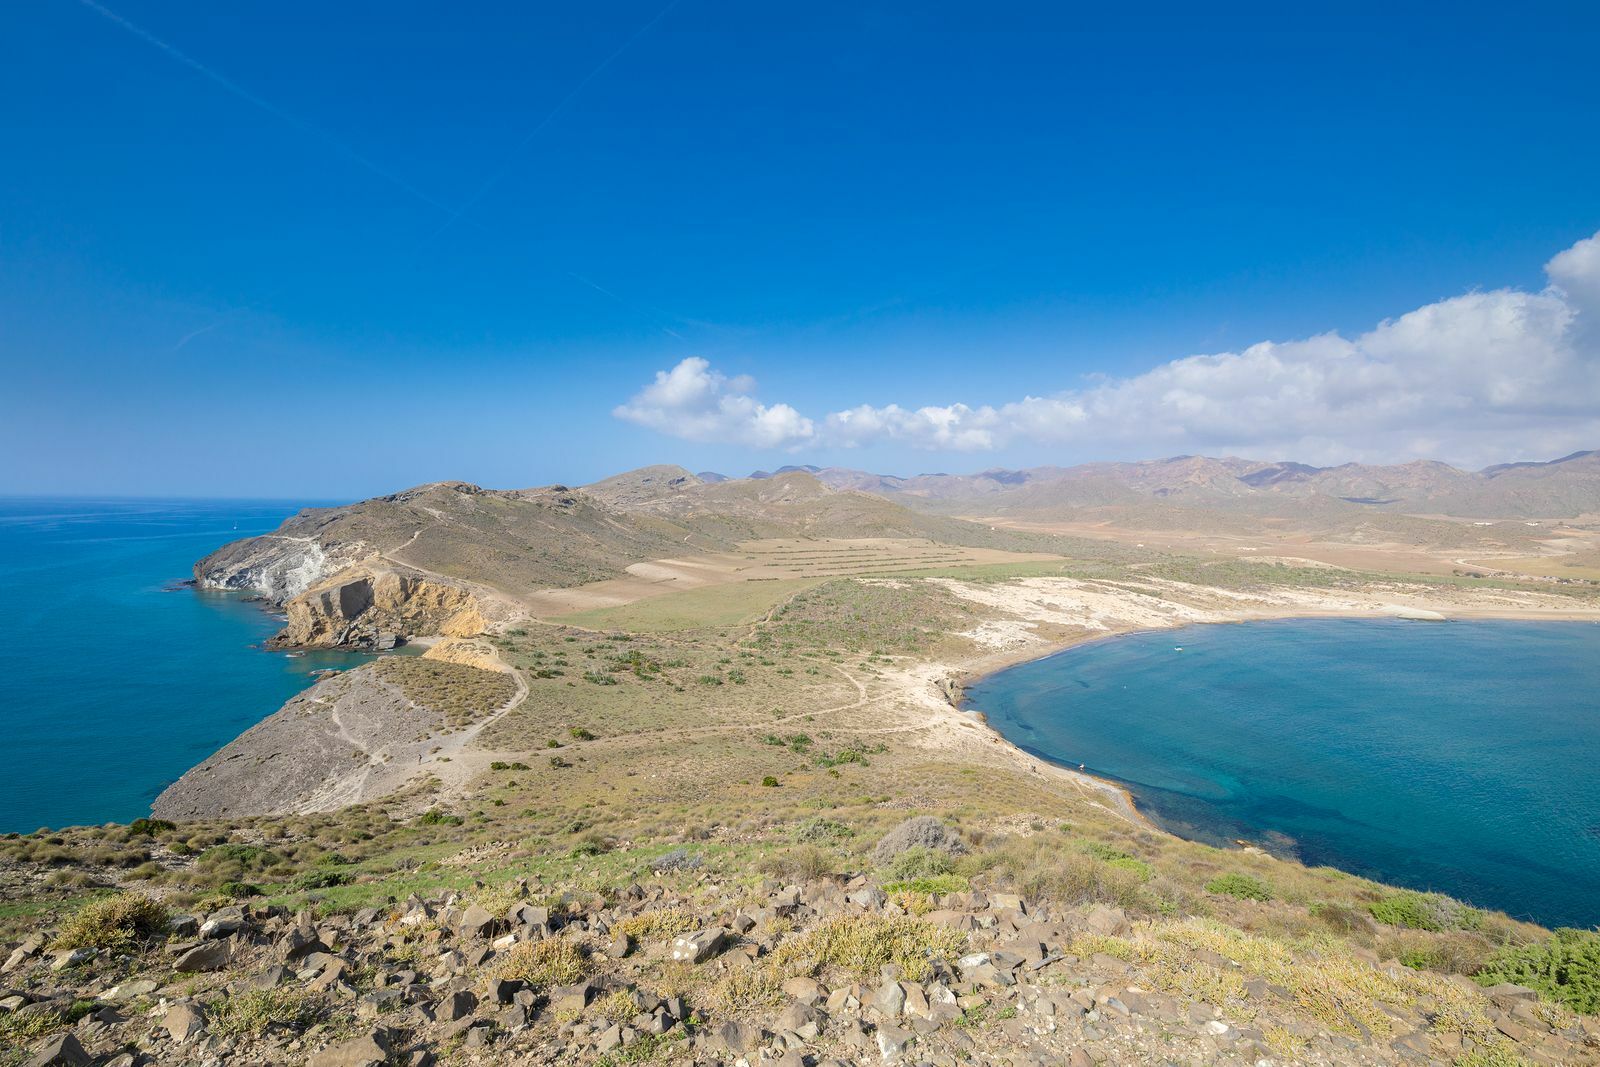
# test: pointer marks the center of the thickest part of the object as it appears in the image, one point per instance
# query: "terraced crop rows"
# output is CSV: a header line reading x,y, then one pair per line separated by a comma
x,y
836,559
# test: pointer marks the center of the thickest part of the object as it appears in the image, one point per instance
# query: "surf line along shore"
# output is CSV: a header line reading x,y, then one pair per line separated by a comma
x,y
1053,616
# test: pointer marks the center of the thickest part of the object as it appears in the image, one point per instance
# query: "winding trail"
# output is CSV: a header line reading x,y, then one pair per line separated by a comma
x,y
461,765
389,554
389,767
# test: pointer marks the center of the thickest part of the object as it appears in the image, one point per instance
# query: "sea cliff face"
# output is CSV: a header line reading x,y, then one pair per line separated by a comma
x,y
365,607
343,594
278,567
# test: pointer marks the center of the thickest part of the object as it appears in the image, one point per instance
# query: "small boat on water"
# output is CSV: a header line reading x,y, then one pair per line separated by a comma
x,y
294,655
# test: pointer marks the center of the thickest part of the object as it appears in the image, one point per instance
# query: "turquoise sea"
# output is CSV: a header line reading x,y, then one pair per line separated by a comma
x,y
117,678
1462,757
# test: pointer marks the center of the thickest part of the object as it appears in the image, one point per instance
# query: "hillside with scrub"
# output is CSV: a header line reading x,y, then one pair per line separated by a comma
x,y
748,819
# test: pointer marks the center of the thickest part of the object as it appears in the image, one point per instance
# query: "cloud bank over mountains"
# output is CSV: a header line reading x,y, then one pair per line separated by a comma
x,y
1475,378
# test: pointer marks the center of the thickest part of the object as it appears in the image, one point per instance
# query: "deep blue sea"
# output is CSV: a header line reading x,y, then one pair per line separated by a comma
x,y
116,678
1462,757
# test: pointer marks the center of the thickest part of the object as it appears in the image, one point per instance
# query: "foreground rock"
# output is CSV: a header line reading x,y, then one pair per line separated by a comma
x,y
504,978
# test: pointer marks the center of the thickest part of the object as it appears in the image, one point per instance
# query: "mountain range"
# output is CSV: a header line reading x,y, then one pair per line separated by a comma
x,y
1567,487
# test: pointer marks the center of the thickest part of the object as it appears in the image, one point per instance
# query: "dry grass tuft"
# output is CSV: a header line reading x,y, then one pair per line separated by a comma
x,y
544,964
665,922
117,924
617,1007
749,989
863,945
260,1009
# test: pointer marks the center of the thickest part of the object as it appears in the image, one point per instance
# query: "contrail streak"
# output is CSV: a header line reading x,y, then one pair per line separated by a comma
x,y
646,312
266,105
499,175
192,334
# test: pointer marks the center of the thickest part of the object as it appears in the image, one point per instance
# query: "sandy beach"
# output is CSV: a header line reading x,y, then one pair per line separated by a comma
x,y
1035,618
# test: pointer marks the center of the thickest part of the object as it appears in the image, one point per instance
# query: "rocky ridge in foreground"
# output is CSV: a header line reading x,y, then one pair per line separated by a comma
x,y
681,969
975,978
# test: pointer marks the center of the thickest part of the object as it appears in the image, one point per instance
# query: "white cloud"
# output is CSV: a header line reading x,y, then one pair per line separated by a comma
x,y
698,403
1577,270
1475,378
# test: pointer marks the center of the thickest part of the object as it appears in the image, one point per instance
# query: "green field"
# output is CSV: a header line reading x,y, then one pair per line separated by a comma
x,y
714,605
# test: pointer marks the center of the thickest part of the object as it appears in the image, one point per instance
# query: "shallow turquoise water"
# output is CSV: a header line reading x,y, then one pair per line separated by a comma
x,y
1462,757
116,679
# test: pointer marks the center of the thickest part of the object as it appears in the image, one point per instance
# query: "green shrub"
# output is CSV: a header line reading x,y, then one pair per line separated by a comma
x,y
435,817
320,879
591,844
1418,958
821,828
1239,885
238,890
1104,852
920,861
848,755
18,1030
1135,866
150,827
1500,1054
1565,967
1425,911
770,781
116,923
938,883
235,862
580,734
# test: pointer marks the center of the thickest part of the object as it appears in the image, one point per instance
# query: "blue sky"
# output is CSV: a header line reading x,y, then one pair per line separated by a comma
x,y
333,250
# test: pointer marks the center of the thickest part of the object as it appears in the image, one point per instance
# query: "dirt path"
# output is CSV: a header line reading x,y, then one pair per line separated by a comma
x,y
391,553
461,763
389,767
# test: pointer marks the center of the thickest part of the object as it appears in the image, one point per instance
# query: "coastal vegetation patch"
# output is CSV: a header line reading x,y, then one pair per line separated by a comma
x,y
1426,911
1240,886
459,693
1565,967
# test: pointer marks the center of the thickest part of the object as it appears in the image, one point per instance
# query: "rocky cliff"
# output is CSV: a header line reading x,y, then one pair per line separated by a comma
x,y
277,566
367,607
